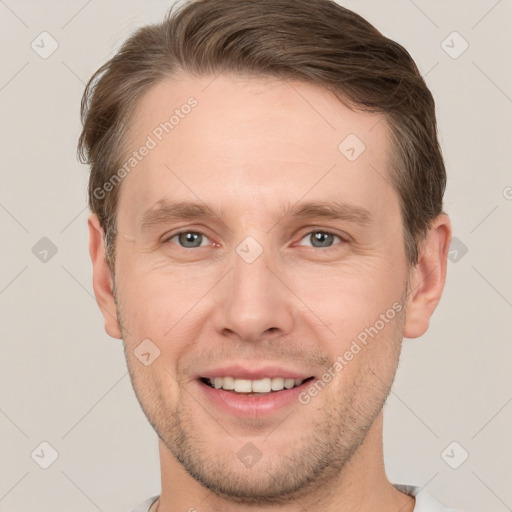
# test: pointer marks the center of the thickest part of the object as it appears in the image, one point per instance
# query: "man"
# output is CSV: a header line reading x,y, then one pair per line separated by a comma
x,y
266,192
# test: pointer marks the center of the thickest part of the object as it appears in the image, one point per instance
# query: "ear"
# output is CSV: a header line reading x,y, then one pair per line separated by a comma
x,y
102,277
428,277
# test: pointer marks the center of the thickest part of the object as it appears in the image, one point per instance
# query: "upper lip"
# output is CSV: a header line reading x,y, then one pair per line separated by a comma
x,y
243,372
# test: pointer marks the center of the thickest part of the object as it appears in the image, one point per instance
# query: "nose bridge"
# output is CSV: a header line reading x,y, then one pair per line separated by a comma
x,y
253,299
251,277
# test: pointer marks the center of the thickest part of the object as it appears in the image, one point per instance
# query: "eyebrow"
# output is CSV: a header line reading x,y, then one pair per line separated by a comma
x,y
330,210
165,211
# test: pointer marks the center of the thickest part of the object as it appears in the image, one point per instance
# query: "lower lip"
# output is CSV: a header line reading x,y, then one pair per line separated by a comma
x,y
247,406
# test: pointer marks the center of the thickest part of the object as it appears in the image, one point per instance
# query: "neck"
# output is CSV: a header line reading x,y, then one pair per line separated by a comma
x,y
361,486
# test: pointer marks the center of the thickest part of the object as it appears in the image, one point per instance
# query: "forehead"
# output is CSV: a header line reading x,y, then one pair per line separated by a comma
x,y
256,140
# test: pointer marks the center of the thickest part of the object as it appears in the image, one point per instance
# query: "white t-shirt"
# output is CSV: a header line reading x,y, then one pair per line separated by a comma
x,y
424,502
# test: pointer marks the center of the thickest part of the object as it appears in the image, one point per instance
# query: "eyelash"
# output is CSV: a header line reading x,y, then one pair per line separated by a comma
x,y
343,240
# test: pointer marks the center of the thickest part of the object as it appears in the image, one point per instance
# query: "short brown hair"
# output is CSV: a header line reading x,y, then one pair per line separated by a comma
x,y
313,41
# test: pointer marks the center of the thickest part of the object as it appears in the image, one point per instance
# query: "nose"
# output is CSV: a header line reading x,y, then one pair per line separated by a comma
x,y
253,303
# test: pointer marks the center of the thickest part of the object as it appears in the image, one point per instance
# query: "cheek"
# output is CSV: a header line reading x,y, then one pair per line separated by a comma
x,y
369,361
156,387
164,307
348,299
363,310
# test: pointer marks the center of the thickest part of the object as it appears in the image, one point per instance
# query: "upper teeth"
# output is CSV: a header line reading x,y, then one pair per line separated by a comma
x,y
265,385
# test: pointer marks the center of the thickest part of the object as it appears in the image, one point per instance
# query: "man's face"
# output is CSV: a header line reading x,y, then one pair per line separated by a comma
x,y
255,291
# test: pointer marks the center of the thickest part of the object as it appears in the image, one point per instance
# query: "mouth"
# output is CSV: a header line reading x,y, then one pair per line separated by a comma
x,y
256,387
252,391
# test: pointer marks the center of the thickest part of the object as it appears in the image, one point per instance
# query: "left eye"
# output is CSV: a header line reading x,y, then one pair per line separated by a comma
x,y
189,239
320,239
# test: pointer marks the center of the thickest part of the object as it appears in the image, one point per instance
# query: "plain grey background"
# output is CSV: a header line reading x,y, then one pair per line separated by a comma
x,y
64,382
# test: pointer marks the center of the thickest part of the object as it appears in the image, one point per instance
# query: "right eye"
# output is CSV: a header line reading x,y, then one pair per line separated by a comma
x,y
188,239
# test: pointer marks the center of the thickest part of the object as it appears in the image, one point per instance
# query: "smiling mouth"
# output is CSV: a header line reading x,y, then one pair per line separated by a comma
x,y
257,387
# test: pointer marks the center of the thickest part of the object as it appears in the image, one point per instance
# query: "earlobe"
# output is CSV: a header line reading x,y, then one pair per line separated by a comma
x,y
102,278
428,278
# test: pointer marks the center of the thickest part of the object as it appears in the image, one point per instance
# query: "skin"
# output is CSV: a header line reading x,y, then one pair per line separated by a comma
x,y
255,146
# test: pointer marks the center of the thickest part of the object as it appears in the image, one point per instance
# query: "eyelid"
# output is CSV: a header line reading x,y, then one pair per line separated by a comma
x,y
342,237
168,237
